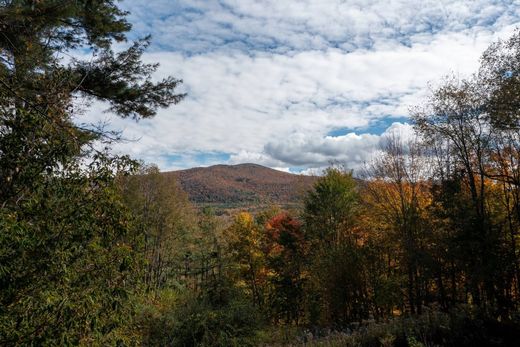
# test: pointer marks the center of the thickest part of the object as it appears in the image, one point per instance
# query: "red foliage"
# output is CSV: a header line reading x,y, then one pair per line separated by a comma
x,y
284,233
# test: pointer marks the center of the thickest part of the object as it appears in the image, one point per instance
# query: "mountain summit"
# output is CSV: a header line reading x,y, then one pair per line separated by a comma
x,y
242,184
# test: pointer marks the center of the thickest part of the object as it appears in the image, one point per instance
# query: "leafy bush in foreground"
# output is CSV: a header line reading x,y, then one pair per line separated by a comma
x,y
218,317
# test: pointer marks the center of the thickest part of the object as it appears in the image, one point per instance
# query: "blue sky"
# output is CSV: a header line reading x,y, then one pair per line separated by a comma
x,y
295,85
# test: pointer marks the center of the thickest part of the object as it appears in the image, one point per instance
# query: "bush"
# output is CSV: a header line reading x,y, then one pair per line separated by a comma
x,y
218,317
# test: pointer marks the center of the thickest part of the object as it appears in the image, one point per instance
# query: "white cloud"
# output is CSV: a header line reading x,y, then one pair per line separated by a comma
x,y
350,150
267,81
199,26
402,131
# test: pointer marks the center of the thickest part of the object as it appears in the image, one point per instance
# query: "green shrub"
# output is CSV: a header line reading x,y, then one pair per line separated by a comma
x,y
218,317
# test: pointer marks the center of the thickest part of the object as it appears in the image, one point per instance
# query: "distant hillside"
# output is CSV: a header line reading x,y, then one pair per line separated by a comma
x,y
242,184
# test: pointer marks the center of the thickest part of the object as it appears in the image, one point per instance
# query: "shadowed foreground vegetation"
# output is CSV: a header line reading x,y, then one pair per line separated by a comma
x,y
99,250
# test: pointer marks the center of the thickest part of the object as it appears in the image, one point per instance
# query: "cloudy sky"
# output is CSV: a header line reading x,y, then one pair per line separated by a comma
x,y
295,84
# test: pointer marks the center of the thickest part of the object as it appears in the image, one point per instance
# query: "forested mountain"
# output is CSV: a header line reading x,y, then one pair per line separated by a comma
x,y
242,184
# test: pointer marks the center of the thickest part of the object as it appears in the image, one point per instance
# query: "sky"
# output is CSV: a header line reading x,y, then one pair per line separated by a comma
x,y
295,85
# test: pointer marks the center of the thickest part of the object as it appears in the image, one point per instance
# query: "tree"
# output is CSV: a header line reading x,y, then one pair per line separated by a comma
x,y
75,264
338,278
68,269
165,218
473,125
244,242
285,249
330,207
37,89
396,194
499,74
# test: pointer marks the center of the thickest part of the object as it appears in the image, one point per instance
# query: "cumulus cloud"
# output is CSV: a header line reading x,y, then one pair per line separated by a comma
x,y
351,150
267,81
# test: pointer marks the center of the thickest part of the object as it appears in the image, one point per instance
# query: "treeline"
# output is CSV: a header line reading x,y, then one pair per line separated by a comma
x,y
97,249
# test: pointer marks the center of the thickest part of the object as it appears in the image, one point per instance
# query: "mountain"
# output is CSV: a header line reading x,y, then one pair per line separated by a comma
x,y
242,184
